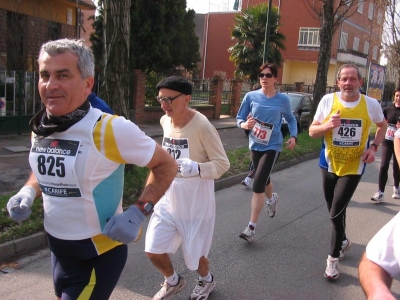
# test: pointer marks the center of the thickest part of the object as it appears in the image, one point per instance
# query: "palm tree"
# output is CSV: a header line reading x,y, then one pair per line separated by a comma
x,y
249,32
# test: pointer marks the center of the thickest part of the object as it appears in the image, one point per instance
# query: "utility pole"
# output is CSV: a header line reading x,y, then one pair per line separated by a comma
x,y
267,27
236,5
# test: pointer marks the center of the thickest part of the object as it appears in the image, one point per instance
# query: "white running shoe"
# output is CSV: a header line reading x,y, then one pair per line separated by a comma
x,y
202,289
248,234
331,271
396,193
167,291
246,182
378,196
346,245
271,205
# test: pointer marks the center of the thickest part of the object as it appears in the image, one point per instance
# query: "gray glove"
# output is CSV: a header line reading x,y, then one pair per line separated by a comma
x,y
124,228
19,205
188,167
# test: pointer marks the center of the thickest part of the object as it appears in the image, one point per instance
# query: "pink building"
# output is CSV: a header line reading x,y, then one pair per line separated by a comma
x,y
356,41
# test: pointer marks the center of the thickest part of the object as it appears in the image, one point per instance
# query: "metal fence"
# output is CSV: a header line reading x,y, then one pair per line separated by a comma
x,y
15,85
201,91
20,92
200,94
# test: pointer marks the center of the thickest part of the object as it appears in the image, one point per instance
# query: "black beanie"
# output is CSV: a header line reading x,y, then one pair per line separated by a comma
x,y
176,83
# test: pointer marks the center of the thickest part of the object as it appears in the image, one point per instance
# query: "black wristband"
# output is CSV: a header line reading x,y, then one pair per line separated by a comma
x,y
375,145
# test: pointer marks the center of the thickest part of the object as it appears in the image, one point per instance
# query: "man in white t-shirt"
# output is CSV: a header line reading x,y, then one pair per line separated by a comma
x,y
78,158
381,260
344,120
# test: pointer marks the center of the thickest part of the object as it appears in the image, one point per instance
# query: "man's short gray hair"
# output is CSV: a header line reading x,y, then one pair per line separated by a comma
x,y
349,66
78,47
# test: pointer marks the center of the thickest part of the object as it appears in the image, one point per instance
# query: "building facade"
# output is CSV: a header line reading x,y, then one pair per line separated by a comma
x,y
26,25
357,41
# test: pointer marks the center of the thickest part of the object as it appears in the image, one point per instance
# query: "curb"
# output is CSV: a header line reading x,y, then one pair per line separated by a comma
x,y
23,251
27,249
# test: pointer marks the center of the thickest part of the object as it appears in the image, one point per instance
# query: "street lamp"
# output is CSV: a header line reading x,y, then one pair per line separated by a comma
x,y
236,5
267,27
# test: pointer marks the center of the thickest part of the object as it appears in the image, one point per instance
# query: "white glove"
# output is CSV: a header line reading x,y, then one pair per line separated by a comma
x,y
125,227
189,167
19,205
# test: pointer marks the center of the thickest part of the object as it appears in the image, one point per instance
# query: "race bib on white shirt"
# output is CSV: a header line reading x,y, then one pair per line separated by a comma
x,y
50,159
348,134
391,129
177,148
261,133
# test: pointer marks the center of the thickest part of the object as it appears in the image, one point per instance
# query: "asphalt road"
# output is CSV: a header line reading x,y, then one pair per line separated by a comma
x,y
286,261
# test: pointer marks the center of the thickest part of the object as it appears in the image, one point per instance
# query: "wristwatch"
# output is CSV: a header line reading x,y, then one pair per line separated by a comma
x,y
146,207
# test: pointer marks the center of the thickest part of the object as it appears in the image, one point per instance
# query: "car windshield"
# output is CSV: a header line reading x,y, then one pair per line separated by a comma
x,y
294,100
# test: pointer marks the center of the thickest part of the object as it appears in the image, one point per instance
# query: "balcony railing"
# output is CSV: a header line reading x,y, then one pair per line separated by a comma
x,y
353,52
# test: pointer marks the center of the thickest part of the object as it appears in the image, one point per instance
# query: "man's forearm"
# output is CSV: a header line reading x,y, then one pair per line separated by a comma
x,y
317,130
380,134
396,143
158,182
32,181
163,170
374,280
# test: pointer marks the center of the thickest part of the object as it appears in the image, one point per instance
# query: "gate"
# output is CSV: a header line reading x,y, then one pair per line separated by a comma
x,y
18,91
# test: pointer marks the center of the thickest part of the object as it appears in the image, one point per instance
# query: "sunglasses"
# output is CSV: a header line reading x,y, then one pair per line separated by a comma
x,y
268,75
167,100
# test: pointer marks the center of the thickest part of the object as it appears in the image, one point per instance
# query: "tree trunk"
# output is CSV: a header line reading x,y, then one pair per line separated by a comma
x,y
116,83
324,56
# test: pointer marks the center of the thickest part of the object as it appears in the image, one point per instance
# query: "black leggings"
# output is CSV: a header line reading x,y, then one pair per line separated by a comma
x,y
93,278
264,162
251,170
338,191
387,151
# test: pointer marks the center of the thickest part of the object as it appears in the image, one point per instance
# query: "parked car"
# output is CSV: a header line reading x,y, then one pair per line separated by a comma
x,y
301,107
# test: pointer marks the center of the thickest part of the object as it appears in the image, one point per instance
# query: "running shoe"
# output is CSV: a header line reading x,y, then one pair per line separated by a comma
x,y
346,245
202,289
246,182
331,271
248,234
396,193
271,205
167,290
378,196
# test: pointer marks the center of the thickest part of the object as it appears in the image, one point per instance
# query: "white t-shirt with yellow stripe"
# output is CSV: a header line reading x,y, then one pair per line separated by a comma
x,y
81,172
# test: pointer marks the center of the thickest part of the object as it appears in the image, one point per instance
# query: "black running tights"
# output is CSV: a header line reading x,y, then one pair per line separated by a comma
x,y
338,191
387,151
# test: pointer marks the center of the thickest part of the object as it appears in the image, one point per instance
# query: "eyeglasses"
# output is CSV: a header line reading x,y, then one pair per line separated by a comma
x,y
268,75
167,100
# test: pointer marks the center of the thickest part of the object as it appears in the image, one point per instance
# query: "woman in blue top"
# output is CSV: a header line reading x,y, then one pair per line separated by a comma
x,y
266,108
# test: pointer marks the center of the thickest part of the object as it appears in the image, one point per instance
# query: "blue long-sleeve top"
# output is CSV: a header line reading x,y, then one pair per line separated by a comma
x,y
96,102
268,110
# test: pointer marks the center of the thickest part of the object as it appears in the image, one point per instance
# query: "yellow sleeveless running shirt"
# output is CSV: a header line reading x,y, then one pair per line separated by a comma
x,y
345,144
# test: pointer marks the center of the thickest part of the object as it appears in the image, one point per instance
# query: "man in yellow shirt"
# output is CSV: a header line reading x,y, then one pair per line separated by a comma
x,y
343,119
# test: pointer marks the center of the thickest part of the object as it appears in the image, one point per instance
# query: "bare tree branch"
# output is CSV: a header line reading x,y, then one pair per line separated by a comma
x,y
330,14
